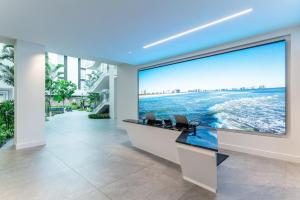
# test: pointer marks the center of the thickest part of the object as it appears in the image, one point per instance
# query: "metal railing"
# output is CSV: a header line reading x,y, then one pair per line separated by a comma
x,y
96,83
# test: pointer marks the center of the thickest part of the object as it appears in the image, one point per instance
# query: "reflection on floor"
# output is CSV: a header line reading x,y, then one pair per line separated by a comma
x,y
90,159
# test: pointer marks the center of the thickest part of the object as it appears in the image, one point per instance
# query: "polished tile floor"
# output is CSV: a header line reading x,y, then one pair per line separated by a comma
x,y
92,160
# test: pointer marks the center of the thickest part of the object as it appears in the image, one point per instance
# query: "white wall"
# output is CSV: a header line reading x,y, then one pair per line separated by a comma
x,y
126,93
288,147
29,94
6,40
285,148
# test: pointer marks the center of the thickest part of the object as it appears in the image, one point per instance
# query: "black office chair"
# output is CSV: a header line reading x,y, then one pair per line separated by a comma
x,y
168,123
150,116
151,120
183,123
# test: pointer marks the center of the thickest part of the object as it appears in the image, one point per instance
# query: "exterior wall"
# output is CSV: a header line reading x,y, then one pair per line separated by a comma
x,y
285,148
29,94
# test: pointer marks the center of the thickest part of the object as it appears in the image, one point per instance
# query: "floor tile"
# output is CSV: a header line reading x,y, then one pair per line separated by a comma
x,y
92,159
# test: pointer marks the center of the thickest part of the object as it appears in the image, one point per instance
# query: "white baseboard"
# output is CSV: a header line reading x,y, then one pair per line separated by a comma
x,y
200,184
30,144
260,152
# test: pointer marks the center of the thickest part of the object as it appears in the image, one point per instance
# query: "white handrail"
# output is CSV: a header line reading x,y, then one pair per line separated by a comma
x,y
96,84
101,105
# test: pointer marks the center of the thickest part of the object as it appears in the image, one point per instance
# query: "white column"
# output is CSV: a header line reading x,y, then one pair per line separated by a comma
x,y
112,87
29,94
127,94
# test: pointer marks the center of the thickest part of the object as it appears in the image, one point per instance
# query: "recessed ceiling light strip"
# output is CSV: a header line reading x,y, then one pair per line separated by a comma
x,y
199,28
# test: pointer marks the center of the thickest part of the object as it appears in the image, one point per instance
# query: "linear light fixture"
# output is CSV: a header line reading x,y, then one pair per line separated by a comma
x,y
199,28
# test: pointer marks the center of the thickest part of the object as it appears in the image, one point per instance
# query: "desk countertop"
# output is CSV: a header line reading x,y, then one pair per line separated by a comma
x,y
204,138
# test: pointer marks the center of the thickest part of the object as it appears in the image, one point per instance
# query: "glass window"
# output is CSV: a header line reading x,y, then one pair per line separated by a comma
x,y
87,63
83,85
88,72
85,68
72,70
83,74
57,59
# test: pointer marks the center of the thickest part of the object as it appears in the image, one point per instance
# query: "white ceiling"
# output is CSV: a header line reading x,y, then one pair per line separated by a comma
x,y
109,29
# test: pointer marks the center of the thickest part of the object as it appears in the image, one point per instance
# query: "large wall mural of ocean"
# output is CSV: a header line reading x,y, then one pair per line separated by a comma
x,y
241,90
259,110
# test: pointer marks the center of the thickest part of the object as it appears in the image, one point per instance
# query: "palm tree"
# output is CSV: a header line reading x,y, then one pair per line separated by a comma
x,y
7,64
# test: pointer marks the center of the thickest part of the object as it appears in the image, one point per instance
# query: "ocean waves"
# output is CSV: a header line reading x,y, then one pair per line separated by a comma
x,y
261,114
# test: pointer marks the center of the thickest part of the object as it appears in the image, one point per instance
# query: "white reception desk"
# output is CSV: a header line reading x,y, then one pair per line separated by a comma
x,y
196,153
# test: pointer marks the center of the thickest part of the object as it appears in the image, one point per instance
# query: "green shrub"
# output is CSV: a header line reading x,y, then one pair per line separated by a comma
x,y
99,116
6,121
7,114
5,135
74,106
89,109
9,133
68,108
2,138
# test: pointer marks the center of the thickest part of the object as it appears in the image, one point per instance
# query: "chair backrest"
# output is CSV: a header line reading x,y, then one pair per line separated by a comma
x,y
150,116
168,123
181,119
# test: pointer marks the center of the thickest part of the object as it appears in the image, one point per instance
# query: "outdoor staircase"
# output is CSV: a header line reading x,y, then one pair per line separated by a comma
x,y
101,83
101,86
102,107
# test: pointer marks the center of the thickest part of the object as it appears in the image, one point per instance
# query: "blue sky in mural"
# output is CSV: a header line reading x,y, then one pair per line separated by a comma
x,y
252,67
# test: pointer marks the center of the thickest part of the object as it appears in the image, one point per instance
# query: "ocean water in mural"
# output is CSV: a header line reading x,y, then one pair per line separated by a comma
x,y
260,110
